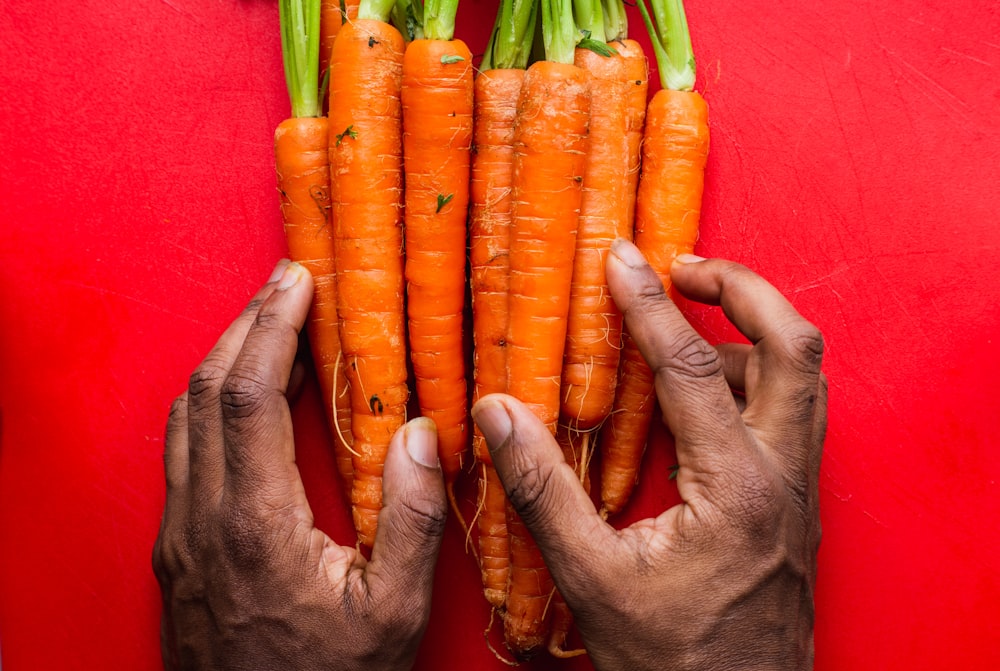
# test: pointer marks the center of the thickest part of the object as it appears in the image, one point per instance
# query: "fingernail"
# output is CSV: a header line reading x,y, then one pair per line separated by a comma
x,y
689,258
278,271
420,438
291,276
628,253
493,420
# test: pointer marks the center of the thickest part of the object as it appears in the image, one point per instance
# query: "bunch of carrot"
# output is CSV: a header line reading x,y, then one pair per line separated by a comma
x,y
534,164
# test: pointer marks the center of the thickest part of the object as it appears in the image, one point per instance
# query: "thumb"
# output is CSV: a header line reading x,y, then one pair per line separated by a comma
x,y
543,489
411,523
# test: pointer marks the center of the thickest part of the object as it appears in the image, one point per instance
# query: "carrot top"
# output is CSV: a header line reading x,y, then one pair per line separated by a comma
x,y
671,43
589,16
376,10
559,33
513,32
439,19
408,17
615,20
300,54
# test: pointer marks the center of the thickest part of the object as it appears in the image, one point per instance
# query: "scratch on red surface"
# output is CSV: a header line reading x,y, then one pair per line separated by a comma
x,y
917,76
970,57
134,299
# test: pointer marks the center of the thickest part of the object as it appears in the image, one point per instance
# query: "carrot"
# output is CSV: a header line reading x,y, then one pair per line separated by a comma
x,y
562,619
550,146
366,181
497,89
637,76
668,207
593,341
333,15
437,95
303,169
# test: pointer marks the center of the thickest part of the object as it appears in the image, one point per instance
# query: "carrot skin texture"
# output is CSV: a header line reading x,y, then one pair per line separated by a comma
x,y
494,543
637,75
593,340
303,168
437,100
668,209
330,22
496,95
529,591
550,147
366,179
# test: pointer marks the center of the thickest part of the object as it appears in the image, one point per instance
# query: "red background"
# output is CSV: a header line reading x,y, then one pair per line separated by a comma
x,y
855,149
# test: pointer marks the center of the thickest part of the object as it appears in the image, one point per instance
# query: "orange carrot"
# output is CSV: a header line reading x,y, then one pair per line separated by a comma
x,y
550,147
593,341
496,95
668,207
497,91
331,19
637,76
572,445
303,168
300,148
437,96
366,180
550,151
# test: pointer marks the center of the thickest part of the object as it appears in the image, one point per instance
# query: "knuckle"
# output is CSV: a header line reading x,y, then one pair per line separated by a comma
x,y
273,324
178,411
694,358
425,519
241,395
206,380
804,344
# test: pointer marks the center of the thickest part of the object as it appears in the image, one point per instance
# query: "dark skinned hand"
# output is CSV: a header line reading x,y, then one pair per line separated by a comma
x,y
725,579
248,581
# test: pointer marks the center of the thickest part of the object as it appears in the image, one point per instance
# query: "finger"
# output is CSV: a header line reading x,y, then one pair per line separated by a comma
x,y
545,492
784,369
175,450
256,421
734,357
411,523
690,381
207,452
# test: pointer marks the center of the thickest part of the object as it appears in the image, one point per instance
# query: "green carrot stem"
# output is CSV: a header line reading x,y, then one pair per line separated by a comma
x,y
671,43
376,10
439,19
615,20
510,42
408,17
299,20
559,33
589,16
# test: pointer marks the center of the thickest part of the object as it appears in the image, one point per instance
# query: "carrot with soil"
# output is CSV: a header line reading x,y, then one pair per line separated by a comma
x,y
550,148
437,97
303,168
497,89
367,194
668,208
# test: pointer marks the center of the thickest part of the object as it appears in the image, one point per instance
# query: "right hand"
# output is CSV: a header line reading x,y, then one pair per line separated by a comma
x,y
725,579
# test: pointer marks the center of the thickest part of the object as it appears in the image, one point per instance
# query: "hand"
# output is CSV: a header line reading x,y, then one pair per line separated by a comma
x,y
248,582
725,579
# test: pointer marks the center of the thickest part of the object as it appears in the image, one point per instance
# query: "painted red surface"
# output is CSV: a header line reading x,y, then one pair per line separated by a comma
x,y
854,158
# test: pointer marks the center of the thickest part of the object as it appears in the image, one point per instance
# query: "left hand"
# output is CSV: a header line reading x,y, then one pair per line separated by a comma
x,y
248,582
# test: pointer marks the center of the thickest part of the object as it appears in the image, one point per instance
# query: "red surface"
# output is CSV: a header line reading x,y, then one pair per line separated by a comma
x,y
854,158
